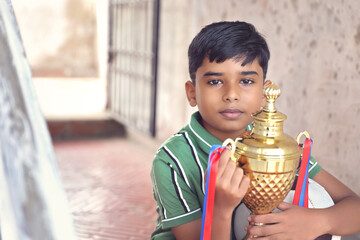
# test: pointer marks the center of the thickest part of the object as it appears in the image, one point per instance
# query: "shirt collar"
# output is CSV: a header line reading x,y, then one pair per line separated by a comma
x,y
202,136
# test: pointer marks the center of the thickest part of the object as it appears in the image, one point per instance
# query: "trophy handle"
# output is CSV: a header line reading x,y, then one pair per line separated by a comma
x,y
231,143
304,133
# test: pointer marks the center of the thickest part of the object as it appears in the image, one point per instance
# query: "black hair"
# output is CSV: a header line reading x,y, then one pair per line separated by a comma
x,y
225,40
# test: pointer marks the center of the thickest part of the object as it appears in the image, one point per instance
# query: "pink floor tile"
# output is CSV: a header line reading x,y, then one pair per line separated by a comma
x,y
109,188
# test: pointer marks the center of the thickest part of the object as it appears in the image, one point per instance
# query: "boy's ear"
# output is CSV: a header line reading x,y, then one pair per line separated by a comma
x,y
263,100
190,93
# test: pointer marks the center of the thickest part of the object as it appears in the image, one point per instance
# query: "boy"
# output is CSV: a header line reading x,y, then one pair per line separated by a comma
x,y
227,65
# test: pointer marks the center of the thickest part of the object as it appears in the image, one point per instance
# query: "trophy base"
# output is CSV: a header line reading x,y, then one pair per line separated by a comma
x,y
318,198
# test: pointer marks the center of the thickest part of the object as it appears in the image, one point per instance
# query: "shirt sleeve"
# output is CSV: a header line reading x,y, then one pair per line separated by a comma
x,y
314,167
177,203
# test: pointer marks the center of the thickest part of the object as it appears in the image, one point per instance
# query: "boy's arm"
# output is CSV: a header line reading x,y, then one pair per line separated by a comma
x,y
190,230
231,186
341,219
344,217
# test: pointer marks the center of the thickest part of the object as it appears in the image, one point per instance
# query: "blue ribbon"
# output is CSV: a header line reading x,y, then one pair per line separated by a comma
x,y
212,149
305,182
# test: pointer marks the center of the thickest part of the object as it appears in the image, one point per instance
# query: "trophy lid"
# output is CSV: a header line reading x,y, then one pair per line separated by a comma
x,y
269,122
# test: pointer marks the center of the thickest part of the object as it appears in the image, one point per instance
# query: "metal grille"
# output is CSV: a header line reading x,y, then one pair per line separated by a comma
x,y
133,44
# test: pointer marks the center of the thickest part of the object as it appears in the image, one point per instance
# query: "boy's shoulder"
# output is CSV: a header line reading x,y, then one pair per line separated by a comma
x,y
191,144
177,144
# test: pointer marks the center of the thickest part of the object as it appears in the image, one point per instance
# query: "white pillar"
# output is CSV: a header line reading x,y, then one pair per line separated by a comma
x,y
33,202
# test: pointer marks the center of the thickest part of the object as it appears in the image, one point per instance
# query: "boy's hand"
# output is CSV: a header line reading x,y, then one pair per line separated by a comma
x,y
231,184
293,222
230,188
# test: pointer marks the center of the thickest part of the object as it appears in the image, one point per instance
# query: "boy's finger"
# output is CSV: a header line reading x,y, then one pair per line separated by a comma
x,y
228,172
238,176
224,158
284,206
264,218
264,230
244,186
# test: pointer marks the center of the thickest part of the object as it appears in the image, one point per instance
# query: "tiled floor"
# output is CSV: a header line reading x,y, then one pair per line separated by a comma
x,y
109,188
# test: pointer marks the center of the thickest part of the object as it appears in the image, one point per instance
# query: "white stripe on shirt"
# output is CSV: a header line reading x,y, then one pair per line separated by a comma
x,y
312,166
179,190
197,161
158,194
198,136
178,164
180,216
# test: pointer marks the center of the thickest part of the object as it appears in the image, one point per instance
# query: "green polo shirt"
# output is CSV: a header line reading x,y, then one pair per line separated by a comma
x,y
178,177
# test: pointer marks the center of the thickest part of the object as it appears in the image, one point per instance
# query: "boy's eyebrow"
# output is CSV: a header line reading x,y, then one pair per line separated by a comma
x,y
210,73
248,73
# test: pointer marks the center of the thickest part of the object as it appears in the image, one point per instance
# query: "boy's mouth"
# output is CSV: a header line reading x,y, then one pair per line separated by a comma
x,y
231,113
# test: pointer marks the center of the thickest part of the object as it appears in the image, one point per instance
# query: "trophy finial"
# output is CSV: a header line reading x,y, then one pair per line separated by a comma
x,y
271,92
269,121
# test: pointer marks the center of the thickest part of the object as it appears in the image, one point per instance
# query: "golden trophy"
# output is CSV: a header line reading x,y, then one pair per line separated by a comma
x,y
268,156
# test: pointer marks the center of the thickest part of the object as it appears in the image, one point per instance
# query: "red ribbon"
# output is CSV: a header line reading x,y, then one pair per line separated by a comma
x,y
210,193
301,197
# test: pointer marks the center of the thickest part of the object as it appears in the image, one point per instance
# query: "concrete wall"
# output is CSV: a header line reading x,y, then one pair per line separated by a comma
x,y
315,58
59,36
175,36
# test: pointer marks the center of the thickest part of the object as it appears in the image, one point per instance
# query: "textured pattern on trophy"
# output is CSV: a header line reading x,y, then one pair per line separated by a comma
x,y
267,191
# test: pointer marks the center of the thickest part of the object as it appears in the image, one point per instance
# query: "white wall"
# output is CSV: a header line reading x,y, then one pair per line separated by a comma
x,y
102,24
59,36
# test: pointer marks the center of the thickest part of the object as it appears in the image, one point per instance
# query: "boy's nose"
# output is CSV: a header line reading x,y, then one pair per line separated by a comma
x,y
231,95
230,99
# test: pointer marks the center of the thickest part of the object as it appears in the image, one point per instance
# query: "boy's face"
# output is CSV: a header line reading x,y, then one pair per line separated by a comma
x,y
226,95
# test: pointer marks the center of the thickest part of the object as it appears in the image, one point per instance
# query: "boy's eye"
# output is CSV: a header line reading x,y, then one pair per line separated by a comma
x,y
214,82
246,81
